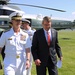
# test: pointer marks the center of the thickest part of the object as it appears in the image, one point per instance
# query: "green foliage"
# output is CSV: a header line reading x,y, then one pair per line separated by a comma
x,y
67,43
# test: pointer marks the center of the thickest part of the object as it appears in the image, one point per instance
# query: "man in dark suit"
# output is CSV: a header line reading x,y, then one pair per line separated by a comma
x,y
45,47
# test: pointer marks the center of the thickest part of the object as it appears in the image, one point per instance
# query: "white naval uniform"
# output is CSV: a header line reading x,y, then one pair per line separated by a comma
x,y
30,33
15,54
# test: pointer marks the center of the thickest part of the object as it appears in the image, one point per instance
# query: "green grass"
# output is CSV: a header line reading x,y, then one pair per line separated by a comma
x,y
67,43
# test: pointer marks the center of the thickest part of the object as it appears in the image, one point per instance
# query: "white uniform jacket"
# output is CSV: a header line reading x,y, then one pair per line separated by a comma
x,y
15,46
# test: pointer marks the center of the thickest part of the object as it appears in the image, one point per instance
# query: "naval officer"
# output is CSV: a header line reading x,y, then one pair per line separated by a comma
x,y
27,28
17,47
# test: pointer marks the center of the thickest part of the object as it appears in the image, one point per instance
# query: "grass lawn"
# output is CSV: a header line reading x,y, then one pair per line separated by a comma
x,y
67,43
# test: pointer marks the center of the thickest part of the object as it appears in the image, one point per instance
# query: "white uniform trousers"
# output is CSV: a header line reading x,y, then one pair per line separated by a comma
x,y
14,65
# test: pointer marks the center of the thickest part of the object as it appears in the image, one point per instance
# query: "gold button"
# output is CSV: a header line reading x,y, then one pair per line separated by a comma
x,y
17,56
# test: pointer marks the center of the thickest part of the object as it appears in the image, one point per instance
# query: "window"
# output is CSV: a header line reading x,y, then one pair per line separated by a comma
x,y
3,22
5,12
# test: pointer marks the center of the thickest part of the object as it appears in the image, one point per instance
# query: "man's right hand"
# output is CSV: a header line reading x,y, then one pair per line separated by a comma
x,y
38,62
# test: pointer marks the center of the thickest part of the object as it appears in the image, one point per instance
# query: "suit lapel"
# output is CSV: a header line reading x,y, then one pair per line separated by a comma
x,y
52,35
44,38
43,35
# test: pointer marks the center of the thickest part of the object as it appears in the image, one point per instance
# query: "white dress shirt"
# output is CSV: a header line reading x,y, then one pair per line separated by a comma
x,y
49,31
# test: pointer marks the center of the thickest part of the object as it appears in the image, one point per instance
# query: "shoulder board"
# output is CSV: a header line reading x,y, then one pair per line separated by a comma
x,y
24,31
6,30
34,29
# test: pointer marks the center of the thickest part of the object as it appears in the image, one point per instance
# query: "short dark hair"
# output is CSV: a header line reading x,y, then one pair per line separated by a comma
x,y
46,18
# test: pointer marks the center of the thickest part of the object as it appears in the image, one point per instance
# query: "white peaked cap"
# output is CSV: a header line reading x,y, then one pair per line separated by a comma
x,y
15,15
25,20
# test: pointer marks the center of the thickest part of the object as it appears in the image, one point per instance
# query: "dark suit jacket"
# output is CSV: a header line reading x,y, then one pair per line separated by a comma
x,y
0,65
2,52
41,50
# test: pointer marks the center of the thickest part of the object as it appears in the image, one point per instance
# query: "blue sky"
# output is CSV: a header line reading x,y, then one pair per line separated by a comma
x,y
67,5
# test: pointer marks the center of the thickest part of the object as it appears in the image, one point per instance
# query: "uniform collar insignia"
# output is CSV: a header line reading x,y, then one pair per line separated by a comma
x,y
9,38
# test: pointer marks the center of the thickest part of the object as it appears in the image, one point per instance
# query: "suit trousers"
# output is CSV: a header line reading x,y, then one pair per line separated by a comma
x,y
51,67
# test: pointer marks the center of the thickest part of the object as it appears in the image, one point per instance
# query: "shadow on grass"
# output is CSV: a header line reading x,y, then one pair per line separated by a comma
x,y
66,38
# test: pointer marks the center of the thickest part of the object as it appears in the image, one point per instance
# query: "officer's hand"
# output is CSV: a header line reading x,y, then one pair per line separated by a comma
x,y
61,58
27,64
38,62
